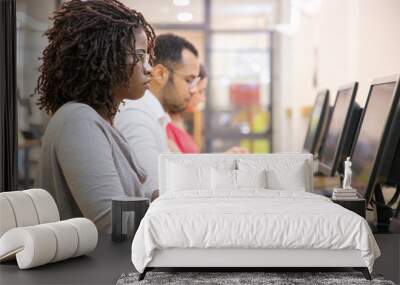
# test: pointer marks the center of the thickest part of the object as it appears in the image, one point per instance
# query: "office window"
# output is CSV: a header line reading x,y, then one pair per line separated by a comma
x,y
243,15
179,12
240,90
32,21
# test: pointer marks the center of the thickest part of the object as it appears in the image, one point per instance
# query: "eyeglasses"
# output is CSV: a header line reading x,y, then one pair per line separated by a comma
x,y
190,82
144,58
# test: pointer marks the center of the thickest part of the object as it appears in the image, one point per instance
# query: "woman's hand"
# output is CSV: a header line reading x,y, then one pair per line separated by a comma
x,y
155,195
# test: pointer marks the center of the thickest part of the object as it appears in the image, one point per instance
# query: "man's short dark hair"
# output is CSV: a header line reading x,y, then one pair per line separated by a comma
x,y
168,49
203,72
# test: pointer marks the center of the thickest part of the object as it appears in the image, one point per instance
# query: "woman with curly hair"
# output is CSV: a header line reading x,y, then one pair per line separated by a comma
x,y
99,53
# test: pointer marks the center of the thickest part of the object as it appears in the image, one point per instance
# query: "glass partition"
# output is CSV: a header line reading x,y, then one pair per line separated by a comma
x,y
167,12
243,15
240,89
32,22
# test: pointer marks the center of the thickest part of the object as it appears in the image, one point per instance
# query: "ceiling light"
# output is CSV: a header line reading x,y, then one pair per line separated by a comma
x,y
185,17
181,2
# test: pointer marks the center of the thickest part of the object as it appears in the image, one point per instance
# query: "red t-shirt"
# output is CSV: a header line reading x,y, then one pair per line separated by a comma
x,y
182,139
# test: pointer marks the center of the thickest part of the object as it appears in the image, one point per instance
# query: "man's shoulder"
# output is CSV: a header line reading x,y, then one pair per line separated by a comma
x,y
133,113
140,106
134,117
136,110
132,106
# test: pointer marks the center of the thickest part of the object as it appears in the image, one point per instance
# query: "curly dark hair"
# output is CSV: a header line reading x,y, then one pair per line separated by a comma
x,y
86,57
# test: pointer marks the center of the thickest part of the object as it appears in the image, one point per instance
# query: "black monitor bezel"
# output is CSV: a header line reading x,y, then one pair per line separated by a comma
x,y
323,167
380,168
318,132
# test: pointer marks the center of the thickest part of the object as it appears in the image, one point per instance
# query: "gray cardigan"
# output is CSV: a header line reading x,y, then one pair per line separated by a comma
x,y
85,162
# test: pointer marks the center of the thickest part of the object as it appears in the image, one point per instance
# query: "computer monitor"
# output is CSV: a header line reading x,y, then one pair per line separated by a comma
x,y
394,181
341,131
317,122
378,136
394,174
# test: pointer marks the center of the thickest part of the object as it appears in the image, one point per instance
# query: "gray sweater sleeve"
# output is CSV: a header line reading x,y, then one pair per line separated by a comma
x,y
85,157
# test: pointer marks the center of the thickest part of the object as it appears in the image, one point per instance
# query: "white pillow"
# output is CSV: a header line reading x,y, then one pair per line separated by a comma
x,y
251,178
282,174
223,179
183,177
292,179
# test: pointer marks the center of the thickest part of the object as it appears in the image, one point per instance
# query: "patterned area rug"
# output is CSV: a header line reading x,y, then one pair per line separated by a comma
x,y
225,278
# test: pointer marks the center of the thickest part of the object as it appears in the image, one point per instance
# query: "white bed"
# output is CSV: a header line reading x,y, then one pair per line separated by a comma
x,y
203,220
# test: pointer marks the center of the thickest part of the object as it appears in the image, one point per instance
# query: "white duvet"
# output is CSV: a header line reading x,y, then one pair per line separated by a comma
x,y
250,219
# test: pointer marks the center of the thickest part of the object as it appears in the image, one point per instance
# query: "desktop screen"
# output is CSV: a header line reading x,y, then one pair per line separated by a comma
x,y
316,121
369,137
336,125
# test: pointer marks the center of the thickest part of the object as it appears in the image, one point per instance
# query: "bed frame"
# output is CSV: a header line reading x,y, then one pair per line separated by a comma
x,y
242,259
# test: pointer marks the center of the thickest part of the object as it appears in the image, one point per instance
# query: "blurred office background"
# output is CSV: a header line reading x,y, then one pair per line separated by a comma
x,y
266,61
